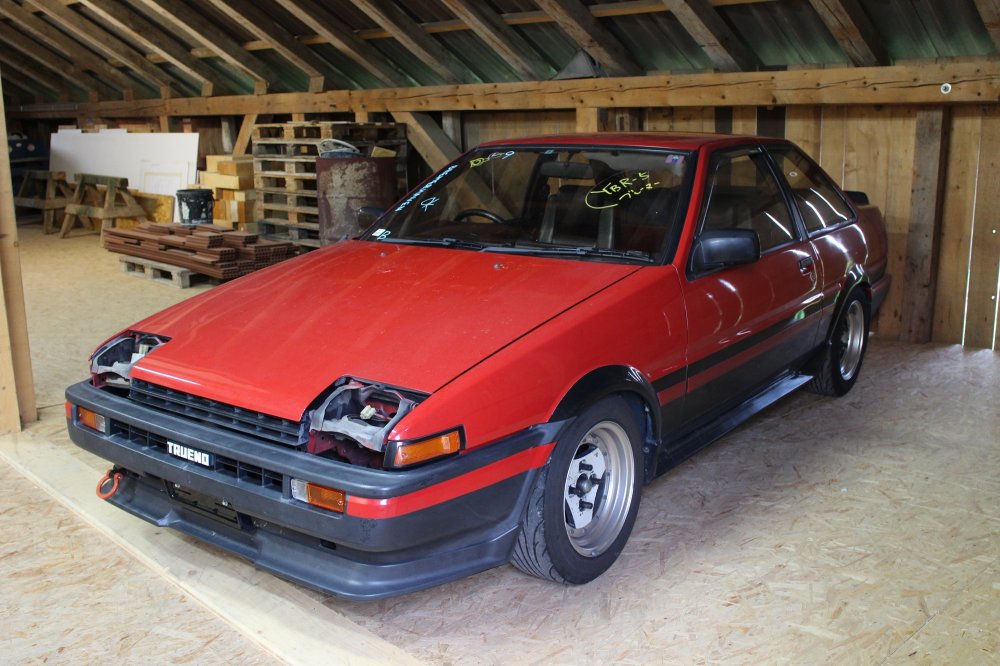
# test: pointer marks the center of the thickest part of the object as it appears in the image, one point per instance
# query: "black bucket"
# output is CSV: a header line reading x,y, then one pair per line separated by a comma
x,y
195,206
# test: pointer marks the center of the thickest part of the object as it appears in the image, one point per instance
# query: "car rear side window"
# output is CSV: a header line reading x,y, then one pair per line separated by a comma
x,y
744,194
819,202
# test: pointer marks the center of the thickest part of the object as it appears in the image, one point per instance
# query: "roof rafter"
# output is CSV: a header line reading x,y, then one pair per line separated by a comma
x,y
251,18
61,66
701,20
13,63
331,29
415,39
65,45
579,23
850,26
101,40
491,28
150,35
989,11
181,17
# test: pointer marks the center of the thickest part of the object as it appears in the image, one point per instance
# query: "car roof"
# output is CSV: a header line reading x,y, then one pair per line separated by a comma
x,y
674,140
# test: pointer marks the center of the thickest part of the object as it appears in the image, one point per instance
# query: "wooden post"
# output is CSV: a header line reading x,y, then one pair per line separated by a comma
x,y
17,387
242,144
927,197
588,119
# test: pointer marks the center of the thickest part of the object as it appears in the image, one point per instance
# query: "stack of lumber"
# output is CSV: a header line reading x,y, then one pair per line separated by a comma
x,y
231,180
214,251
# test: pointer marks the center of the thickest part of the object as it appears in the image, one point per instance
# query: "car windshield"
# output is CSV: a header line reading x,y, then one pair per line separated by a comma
x,y
596,203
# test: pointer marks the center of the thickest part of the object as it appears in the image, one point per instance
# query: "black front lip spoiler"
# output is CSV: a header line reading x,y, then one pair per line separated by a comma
x,y
337,553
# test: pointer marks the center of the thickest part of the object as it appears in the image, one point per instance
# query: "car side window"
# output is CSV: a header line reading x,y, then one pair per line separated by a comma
x,y
744,194
819,202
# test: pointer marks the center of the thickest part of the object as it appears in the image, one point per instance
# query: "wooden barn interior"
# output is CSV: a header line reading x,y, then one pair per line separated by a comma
x,y
864,530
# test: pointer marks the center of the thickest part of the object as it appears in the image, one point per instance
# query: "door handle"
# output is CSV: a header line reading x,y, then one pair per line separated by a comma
x,y
806,265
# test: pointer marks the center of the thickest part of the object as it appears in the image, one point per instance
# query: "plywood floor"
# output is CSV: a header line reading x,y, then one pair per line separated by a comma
x,y
861,530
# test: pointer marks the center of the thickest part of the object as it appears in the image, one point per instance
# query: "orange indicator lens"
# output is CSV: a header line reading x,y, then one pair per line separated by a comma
x,y
427,449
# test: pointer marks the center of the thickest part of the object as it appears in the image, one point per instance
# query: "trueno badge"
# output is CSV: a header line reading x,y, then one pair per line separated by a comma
x,y
187,453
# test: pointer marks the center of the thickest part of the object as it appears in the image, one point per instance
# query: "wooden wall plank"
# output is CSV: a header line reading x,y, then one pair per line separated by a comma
x,y
984,258
681,119
744,120
958,211
489,125
922,243
832,154
803,125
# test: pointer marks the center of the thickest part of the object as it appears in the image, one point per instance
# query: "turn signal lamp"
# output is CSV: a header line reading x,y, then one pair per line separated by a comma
x,y
317,495
404,454
91,419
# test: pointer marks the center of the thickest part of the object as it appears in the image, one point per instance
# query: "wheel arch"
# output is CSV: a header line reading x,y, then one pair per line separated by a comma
x,y
637,391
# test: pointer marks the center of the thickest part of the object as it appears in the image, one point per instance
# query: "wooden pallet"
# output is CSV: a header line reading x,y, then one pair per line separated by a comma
x,y
156,271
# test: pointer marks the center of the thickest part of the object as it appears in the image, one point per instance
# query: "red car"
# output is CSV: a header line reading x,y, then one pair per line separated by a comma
x,y
493,370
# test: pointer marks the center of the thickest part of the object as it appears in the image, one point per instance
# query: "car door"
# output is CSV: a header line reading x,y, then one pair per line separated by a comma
x,y
748,323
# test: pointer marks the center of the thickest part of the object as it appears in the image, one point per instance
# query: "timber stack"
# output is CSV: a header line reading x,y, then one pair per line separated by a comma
x,y
284,157
214,251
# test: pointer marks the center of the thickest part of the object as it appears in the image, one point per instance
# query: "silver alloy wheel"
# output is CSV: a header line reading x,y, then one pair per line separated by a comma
x,y
852,340
599,485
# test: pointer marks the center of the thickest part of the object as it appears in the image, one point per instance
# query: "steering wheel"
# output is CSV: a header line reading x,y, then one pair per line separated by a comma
x,y
480,212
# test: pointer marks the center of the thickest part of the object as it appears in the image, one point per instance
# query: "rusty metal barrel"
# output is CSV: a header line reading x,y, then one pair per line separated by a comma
x,y
345,185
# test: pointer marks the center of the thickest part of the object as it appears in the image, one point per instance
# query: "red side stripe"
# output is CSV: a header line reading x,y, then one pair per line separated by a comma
x,y
390,507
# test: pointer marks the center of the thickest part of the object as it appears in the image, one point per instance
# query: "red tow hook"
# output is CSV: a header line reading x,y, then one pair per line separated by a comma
x,y
112,477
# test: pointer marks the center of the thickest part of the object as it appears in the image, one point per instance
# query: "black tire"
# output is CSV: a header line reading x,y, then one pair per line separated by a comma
x,y
840,361
550,544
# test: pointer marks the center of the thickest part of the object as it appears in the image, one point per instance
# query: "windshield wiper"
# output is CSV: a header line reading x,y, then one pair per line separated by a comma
x,y
634,255
439,242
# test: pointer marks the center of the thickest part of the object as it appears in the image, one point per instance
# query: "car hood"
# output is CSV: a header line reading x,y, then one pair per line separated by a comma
x,y
409,316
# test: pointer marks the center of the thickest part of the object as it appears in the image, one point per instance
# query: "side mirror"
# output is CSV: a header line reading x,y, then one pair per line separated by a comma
x,y
724,247
859,198
367,216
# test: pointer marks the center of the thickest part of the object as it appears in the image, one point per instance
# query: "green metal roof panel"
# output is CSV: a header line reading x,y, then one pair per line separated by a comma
x,y
785,32
914,29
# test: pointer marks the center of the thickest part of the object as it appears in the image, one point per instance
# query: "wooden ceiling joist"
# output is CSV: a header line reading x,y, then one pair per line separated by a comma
x,y
337,33
28,72
194,24
66,46
103,41
491,28
701,20
415,39
250,17
60,66
140,29
850,26
579,23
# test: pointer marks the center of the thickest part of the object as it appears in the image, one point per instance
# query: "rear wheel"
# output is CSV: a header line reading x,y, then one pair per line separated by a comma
x,y
841,360
583,506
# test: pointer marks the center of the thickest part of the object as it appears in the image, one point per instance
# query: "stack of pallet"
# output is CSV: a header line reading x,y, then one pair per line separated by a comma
x,y
284,156
231,180
214,251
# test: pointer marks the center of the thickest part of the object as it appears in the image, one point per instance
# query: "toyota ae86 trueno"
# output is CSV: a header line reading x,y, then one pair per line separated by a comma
x,y
495,368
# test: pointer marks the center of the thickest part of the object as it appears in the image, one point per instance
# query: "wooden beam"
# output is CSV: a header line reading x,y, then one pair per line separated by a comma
x,y
182,18
140,29
59,42
31,72
744,120
427,138
241,146
510,46
588,120
27,85
581,26
334,31
976,82
17,386
919,282
989,11
49,59
103,41
251,18
850,26
413,37
701,20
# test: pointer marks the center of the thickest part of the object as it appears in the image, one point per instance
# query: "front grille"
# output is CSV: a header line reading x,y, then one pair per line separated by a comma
x,y
268,428
231,467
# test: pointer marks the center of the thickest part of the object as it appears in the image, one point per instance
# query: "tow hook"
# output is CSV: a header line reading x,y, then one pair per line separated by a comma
x,y
108,485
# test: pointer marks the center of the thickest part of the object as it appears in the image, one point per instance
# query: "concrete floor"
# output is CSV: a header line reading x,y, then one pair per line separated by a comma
x,y
859,530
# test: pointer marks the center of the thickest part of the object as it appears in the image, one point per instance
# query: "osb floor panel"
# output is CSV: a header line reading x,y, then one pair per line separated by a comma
x,y
860,530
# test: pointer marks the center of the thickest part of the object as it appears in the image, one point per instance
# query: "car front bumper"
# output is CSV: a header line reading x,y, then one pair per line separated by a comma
x,y
400,531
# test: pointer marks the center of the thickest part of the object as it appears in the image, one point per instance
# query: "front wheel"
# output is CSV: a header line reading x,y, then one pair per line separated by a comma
x,y
840,363
583,506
